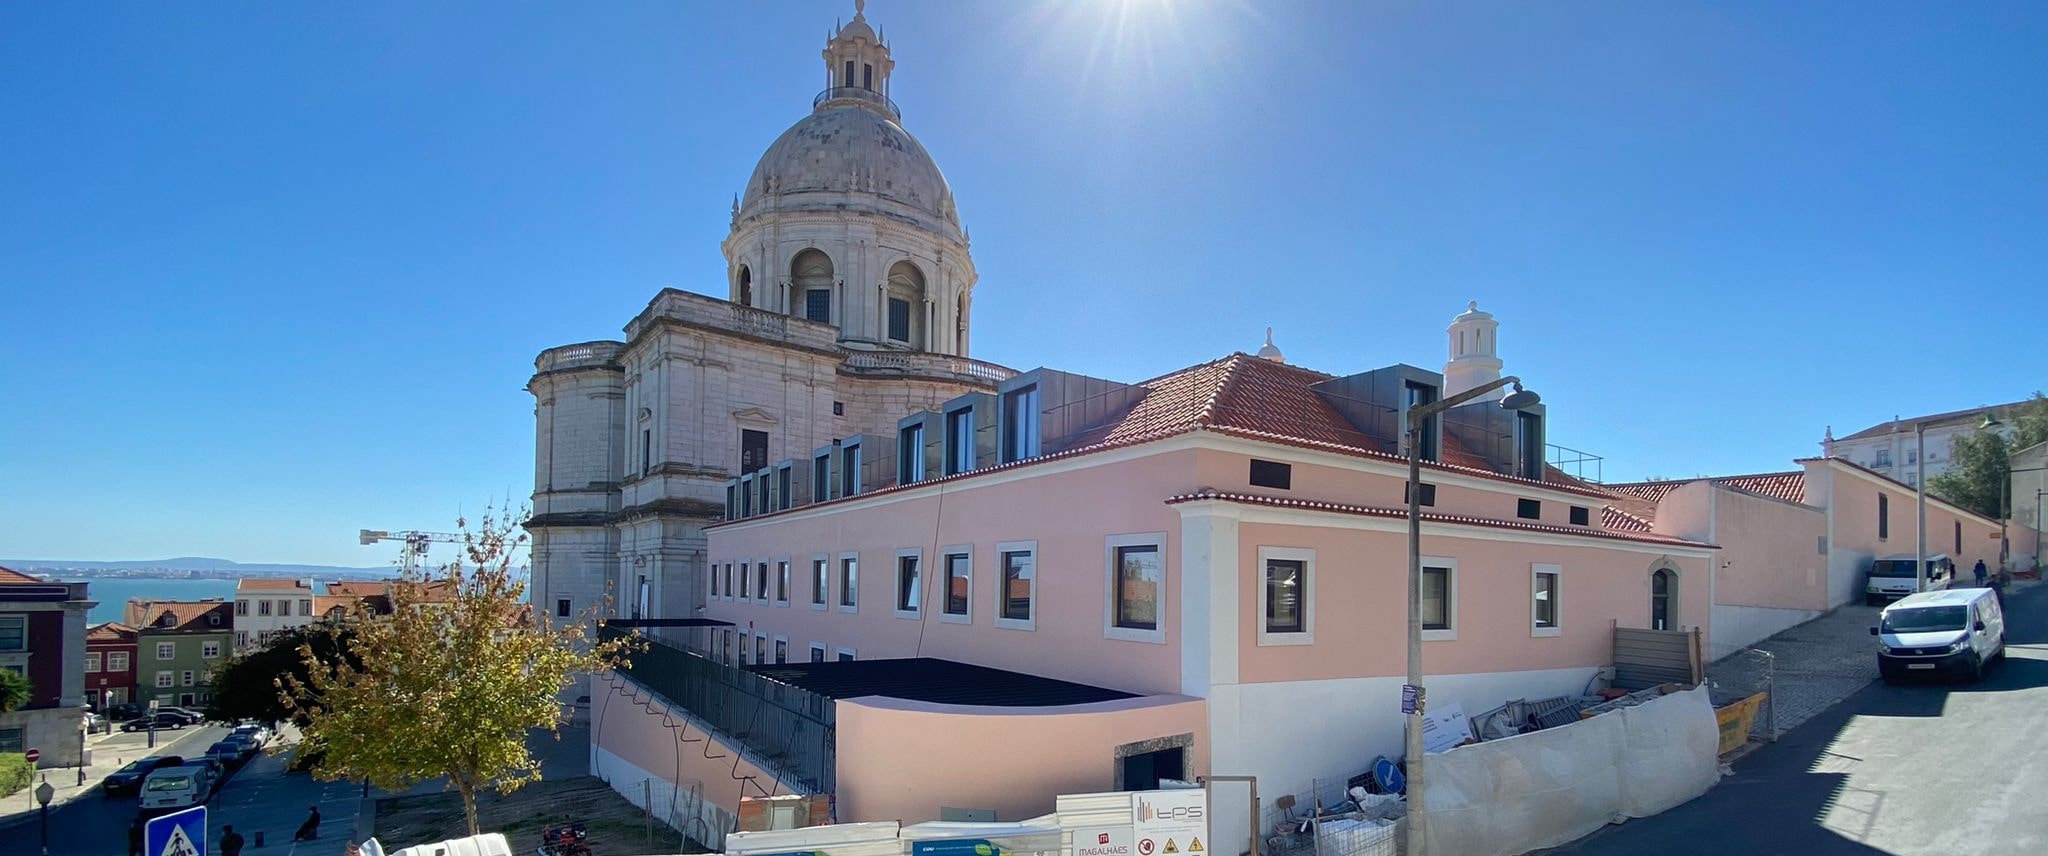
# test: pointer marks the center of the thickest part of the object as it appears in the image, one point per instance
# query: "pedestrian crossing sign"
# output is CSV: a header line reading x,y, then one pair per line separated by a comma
x,y
180,834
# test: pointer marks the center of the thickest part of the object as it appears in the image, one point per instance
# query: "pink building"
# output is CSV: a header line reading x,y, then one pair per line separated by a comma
x,y
1220,550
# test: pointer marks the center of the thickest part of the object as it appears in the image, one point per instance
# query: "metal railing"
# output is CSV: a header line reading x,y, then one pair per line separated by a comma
x,y
858,93
791,731
1576,464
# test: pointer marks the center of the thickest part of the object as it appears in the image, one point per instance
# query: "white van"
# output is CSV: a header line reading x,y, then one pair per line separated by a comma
x,y
1954,631
174,788
1895,577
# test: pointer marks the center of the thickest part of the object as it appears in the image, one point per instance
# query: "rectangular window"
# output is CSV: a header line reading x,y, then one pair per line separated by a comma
x,y
746,587
241,607
117,661
818,305
846,655
1439,610
732,501
1884,517
263,607
783,484
209,650
1285,581
561,607
782,581
761,581
1529,509
13,632
743,648
305,607
1959,538
92,662
646,450
1581,516
899,319
849,470
1545,591
167,650
1529,434
867,76
817,652
960,441
728,580
781,651
849,582
1428,494
714,580
818,581
725,647
746,497
164,679
185,678
821,478
1018,586
1020,424
847,80
910,455
1272,474
753,450
908,591
1420,394
1884,458
959,584
1140,578
760,650
241,639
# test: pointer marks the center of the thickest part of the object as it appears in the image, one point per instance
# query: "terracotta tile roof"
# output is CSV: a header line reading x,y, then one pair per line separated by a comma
x,y
9,576
1790,487
1974,414
187,616
356,588
1402,513
1639,499
267,584
1622,521
110,631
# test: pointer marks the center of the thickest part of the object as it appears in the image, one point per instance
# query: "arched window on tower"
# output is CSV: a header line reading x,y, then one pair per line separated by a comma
x,y
905,321
810,276
744,292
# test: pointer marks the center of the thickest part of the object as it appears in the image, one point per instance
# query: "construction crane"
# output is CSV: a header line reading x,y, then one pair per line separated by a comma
x,y
415,540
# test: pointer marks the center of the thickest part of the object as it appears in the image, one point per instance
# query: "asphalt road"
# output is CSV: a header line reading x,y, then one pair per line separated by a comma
x,y
259,796
1948,768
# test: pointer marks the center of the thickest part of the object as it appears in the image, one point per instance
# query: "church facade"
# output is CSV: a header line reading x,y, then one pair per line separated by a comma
x,y
848,296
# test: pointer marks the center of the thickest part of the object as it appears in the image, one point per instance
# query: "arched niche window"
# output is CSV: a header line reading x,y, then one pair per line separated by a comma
x,y
743,287
904,319
1663,599
810,276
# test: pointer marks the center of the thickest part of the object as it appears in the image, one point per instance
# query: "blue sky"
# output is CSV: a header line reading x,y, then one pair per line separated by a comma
x,y
270,273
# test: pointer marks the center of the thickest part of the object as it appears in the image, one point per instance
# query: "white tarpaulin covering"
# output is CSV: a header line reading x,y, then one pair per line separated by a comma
x,y
1542,789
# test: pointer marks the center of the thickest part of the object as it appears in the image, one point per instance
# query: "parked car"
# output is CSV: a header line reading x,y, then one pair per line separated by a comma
x,y
216,773
128,779
1954,631
228,752
162,719
175,788
192,717
124,711
1895,577
257,734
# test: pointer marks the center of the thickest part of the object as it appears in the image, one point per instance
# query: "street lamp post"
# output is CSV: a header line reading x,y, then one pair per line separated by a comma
x,y
43,794
1415,842
82,726
1920,501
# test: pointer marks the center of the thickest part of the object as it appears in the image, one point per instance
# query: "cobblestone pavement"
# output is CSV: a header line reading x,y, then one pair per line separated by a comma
x,y
1811,667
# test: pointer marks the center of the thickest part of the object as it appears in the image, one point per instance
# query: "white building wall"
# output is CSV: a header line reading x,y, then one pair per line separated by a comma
x,y
1737,627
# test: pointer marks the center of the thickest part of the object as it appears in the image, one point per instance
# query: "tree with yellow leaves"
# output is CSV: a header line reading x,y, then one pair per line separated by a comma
x,y
451,678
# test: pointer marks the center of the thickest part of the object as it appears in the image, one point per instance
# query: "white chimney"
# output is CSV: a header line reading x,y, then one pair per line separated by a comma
x,y
1474,349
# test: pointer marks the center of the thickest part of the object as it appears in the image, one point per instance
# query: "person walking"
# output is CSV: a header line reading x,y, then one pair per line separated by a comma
x,y
1979,571
135,837
230,842
311,828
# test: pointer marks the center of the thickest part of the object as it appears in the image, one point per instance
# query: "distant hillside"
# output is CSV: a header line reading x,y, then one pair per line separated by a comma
x,y
197,563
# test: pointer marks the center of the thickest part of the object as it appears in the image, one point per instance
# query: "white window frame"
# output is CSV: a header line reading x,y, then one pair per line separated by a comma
x,y
166,651
846,652
209,650
92,661
263,607
820,649
780,645
1557,600
165,680
896,574
1448,634
821,584
114,657
764,573
1110,630
746,641
945,594
187,679
711,591
1307,634
845,591
1000,586
785,579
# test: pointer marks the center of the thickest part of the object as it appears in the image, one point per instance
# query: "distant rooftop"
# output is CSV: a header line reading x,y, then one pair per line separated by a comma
x,y
1954,417
933,680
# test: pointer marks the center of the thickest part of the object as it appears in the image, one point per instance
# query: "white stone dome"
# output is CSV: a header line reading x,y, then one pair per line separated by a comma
x,y
845,153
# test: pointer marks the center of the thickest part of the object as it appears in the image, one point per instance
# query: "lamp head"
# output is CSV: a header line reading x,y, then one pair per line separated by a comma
x,y
1990,422
1519,398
